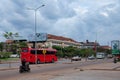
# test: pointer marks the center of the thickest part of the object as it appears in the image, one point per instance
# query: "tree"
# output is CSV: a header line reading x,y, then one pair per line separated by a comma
x,y
66,51
22,44
1,46
107,51
10,35
13,47
5,54
59,51
71,51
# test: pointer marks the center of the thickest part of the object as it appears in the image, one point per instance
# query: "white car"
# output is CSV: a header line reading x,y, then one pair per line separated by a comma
x,y
91,57
76,58
14,55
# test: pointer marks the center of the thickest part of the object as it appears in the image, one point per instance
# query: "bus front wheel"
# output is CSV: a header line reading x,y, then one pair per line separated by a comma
x,y
53,61
38,61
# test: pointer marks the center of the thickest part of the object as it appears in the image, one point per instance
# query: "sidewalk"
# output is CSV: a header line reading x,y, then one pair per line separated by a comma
x,y
9,65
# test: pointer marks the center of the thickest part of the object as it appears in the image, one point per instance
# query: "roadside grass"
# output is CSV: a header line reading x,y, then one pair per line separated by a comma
x,y
9,59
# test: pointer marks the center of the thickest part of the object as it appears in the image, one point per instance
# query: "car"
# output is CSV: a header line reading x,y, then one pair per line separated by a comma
x,y
109,56
91,57
76,58
100,55
14,56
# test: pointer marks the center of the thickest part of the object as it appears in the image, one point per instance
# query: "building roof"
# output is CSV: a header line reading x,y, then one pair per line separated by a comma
x,y
87,43
91,44
50,36
105,47
9,41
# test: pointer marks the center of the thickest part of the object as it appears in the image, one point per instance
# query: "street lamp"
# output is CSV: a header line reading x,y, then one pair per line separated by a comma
x,y
35,10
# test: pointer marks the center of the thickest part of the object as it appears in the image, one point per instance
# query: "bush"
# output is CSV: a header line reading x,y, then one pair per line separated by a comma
x,y
5,54
60,54
72,51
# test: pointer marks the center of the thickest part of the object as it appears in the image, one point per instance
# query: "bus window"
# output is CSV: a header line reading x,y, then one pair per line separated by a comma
x,y
25,50
50,52
34,52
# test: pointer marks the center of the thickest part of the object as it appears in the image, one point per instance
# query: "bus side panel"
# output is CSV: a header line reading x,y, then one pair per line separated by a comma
x,y
32,58
40,57
46,58
25,56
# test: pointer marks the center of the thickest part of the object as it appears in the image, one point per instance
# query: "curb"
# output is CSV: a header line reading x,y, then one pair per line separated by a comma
x,y
106,69
8,69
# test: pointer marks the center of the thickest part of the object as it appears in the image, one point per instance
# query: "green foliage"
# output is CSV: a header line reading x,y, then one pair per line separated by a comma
x,y
72,51
59,54
23,44
5,54
57,47
13,47
10,35
107,51
1,46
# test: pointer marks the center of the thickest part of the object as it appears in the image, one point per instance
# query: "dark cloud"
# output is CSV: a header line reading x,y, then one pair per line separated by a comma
x,y
57,9
77,19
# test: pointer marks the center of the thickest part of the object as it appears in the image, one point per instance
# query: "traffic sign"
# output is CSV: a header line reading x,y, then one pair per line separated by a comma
x,y
44,52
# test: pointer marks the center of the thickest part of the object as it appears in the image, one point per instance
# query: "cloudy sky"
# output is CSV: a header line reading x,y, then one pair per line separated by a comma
x,y
77,19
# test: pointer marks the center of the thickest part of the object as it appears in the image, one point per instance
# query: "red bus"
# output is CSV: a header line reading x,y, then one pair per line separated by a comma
x,y
40,55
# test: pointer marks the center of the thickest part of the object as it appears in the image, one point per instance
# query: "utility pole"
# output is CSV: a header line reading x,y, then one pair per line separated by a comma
x,y
35,11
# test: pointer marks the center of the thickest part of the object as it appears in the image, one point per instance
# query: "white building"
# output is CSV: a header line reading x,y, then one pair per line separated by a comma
x,y
53,40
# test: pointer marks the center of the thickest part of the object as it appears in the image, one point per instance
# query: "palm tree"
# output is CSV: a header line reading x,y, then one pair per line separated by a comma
x,y
10,35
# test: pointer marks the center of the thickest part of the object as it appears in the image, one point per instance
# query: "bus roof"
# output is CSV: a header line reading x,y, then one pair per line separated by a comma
x,y
48,49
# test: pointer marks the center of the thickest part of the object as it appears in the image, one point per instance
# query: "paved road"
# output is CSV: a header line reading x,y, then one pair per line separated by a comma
x,y
103,71
44,68
90,75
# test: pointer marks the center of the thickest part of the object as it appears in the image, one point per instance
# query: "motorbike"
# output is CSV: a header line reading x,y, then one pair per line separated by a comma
x,y
24,68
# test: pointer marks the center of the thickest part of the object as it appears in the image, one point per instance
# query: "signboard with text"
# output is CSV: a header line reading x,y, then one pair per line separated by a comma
x,y
39,37
115,47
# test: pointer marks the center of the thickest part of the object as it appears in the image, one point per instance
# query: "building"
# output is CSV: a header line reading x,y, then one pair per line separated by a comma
x,y
61,41
53,40
106,47
16,39
88,44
